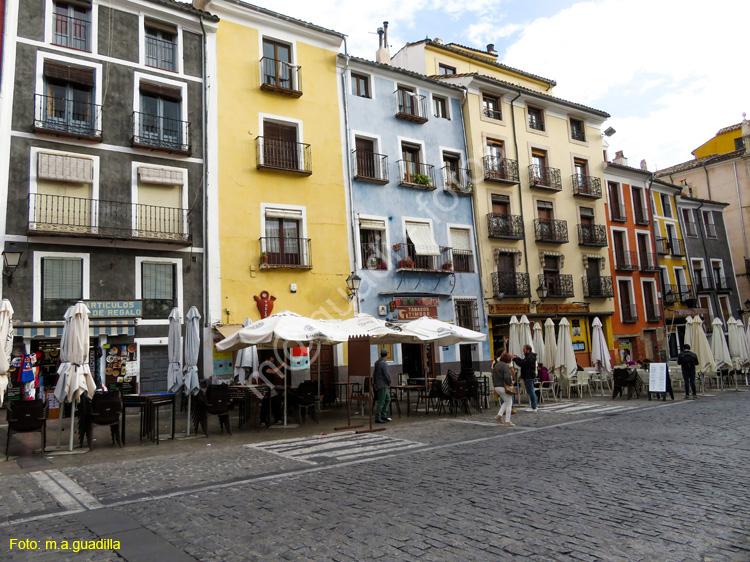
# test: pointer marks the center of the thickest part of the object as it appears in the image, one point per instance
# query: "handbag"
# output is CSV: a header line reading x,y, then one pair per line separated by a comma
x,y
510,389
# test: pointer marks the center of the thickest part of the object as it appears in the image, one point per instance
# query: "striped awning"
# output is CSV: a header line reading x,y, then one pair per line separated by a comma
x,y
52,330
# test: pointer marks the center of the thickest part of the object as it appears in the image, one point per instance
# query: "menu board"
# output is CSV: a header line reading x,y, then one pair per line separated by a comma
x,y
657,377
121,367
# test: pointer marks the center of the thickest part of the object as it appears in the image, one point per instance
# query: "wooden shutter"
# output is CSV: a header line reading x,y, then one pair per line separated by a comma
x,y
67,73
165,92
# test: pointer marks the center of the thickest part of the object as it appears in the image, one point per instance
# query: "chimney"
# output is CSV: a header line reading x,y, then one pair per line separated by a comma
x,y
201,5
620,158
383,55
491,49
644,167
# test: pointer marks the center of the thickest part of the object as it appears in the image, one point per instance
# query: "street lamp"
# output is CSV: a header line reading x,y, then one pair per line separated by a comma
x,y
11,258
352,283
542,290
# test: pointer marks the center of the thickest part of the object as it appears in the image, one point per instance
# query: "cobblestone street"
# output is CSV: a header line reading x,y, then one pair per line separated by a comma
x,y
582,481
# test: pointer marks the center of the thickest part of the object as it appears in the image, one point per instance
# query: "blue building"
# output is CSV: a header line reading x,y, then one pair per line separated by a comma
x,y
411,209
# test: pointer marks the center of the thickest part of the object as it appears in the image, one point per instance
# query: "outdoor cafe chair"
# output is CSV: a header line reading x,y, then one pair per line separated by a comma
x,y
362,397
215,402
582,381
564,382
306,394
105,408
26,416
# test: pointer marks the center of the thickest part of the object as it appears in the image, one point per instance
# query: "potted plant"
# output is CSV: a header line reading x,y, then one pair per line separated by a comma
x,y
448,265
422,179
409,261
382,265
263,258
397,247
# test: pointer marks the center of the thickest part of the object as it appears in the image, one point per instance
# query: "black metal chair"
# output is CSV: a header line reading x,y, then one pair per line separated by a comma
x,y
364,396
26,416
105,408
216,401
307,393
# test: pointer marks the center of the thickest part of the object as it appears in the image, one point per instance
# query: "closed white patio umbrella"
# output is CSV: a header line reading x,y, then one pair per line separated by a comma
x,y
689,331
539,344
247,358
6,345
190,358
700,347
565,358
550,344
600,352
719,347
526,337
737,344
514,337
174,348
747,335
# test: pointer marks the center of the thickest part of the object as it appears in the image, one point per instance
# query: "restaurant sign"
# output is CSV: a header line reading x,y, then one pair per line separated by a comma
x,y
115,309
414,312
685,312
509,308
400,302
562,308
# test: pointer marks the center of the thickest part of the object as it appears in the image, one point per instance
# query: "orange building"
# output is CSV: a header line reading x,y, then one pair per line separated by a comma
x,y
638,321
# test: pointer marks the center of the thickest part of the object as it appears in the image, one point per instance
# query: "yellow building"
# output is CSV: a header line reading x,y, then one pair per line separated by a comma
x,y
677,290
726,140
537,165
277,217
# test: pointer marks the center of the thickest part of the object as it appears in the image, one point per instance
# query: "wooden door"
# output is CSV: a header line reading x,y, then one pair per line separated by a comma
x,y
648,295
428,360
280,145
324,361
365,158
619,241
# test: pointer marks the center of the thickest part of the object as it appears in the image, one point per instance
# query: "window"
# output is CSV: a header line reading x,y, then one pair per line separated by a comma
x,y
360,85
628,311
421,248
725,309
587,215
283,243
158,289
67,104
463,257
639,206
159,123
409,103
496,150
666,206
651,301
580,169
446,70
62,285
536,118
617,209
623,258
277,65
160,210
700,279
63,198
368,164
72,25
688,218
440,106
539,170
411,171
708,223
467,314
720,282
491,107
577,130
161,45
280,146
452,175
738,144
372,244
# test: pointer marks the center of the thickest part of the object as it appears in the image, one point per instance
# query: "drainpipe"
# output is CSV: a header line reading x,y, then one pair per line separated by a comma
x,y
708,181
520,198
206,319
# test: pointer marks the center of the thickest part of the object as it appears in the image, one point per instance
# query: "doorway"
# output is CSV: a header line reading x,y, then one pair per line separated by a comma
x,y
412,359
467,360
154,366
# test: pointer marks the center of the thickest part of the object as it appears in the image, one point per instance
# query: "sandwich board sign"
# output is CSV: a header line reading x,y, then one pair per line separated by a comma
x,y
657,377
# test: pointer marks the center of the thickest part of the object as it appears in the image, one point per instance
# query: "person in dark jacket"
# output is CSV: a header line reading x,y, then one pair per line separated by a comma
x,y
688,361
381,380
528,374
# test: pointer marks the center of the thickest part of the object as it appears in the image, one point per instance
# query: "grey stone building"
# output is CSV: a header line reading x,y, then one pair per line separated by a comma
x,y
710,259
102,172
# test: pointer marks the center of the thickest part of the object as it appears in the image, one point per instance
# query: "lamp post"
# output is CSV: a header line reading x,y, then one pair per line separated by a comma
x,y
352,283
11,259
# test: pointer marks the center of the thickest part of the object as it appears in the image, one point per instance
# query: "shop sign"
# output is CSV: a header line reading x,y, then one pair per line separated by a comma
x,y
509,308
115,309
685,312
562,308
414,312
409,302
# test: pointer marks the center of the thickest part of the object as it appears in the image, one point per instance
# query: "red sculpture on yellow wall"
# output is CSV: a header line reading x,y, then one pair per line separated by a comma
x,y
264,303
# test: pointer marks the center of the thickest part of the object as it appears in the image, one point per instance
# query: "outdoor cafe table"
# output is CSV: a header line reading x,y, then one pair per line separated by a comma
x,y
148,405
342,386
408,388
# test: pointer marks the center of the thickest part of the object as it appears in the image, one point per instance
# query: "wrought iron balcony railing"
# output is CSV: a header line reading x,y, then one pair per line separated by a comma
x,y
702,284
370,166
407,260
283,155
492,113
80,217
559,286
63,116
416,174
463,261
626,261
577,134
629,312
592,235
653,314
410,106
617,212
598,287
544,177
72,32
649,262
678,293
722,284
161,53
161,133
280,77
505,226
641,216
503,170
551,230
511,285
662,246
587,186
373,255
677,247
282,252
457,180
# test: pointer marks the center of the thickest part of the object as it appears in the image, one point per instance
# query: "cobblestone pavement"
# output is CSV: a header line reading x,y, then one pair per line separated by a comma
x,y
576,481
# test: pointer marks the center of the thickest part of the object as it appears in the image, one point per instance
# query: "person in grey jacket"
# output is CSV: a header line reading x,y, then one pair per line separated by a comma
x,y
688,361
502,375
381,380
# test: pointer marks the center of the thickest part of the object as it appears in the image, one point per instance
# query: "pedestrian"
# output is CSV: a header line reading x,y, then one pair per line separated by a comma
x,y
502,379
688,361
381,379
528,374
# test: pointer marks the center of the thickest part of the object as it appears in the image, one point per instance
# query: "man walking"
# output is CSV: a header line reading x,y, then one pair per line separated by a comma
x,y
528,374
688,361
381,380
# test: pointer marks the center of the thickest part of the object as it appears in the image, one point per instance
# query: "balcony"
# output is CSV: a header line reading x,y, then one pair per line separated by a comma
x,y
598,287
161,53
649,262
662,246
629,313
463,261
511,285
66,117
59,215
677,247
416,175
505,226
72,32
283,156
373,255
577,133
161,133
408,261
710,230
370,167
653,315
702,283
626,261
492,113
280,77
592,235
551,230
641,216
410,107
457,180
722,284
543,177
617,212
501,170
678,293
559,286
587,186
280,252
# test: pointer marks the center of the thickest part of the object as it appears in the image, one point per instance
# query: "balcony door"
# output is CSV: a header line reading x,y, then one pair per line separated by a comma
x,y
552,274
643,249
539,165
701,281
406,101
277,64
618,237
365,158
544,212
410,156
614,200
280,145
283,241
69,107
160,122
648,295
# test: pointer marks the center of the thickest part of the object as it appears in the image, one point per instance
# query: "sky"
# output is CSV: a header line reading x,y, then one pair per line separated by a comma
x,y
671,73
